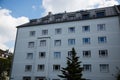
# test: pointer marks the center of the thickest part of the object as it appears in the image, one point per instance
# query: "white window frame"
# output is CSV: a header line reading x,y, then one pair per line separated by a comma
x,y
103,53
42,43
104,68
102,39
29,55
57,42
40,67
58,31
86,40
31,44
45,32
32,33
86,53
101,27
42,54
86,28
87,67
57,55
71,41
56,67
71,29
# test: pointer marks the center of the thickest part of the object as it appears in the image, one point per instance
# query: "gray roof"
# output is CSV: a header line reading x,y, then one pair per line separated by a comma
x,y
75,16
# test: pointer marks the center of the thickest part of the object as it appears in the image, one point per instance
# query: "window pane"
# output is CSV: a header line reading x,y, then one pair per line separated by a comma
x,y
87,53
87,67
28,67
30,44
86,28
32,33
71,30
41,54
101,27
57,42
100,14
103,53
44,32
86,40
104,67
71,41
85,16
58,31
29,55
43,43
102,39
41,67
56,67
57,55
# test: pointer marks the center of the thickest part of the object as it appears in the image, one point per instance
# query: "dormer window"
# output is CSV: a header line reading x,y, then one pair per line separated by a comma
x,y
100,14
85,16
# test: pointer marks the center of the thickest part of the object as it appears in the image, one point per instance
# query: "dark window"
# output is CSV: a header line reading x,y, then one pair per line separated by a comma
x,y
100,14
85,16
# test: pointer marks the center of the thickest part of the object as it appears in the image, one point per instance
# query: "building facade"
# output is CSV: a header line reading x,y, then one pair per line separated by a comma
x,y
42,45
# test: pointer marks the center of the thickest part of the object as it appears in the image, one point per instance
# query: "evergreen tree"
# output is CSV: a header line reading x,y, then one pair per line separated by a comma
x,y
73,71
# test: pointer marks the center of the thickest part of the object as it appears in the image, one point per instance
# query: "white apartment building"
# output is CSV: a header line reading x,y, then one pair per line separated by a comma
x,y
43,44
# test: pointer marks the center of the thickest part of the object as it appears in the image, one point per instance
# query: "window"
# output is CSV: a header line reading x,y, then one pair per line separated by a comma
x,y
57,55
86,40
44,32
71,29
69,53
32,33
31,44
58,31
101,27
41,54
26,78
102,39
87,53
41,67
104,67
29,55
85,16
103,53
28,68
57,43
43,43
55,79
87,67
100,14
85,28
71,41
56,67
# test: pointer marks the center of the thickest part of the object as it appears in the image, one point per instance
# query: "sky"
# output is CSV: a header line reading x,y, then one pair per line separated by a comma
x,y
18,12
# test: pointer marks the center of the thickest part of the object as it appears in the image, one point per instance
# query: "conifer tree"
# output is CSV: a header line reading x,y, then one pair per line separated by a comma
x,y
73,71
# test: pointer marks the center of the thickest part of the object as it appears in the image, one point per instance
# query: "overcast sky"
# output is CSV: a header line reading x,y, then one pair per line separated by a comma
x,y
17,12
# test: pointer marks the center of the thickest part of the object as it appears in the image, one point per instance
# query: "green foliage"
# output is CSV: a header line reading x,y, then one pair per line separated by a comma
x,y
5,65
118,74
73,71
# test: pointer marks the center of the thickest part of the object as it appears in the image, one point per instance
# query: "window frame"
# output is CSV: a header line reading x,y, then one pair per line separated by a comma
x,y
71,29
42,43
40,67
57,42
45,32
31,44
86,40
57,55
71,41
58,31
56,67
102,39
104,68
87,67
